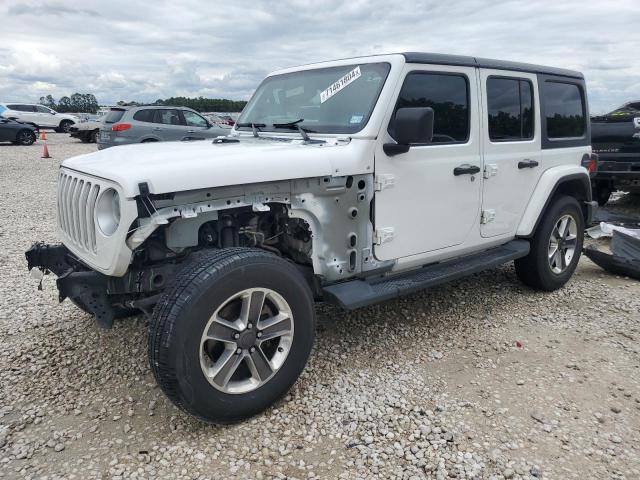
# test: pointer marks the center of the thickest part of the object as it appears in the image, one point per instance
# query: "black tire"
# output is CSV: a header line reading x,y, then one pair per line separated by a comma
x,y
535,269
25,137
602,193
118,312
64,126
206,282
93,138
149,140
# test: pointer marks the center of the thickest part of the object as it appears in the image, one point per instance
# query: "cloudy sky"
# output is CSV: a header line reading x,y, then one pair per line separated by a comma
x,y
140,50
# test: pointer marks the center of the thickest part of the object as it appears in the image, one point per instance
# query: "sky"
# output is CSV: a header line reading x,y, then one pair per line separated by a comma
x,y
141,50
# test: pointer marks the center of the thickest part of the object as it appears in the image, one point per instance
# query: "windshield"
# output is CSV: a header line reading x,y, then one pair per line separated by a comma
x,y
326,100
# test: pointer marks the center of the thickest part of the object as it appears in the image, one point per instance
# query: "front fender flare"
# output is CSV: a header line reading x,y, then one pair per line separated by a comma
x,y
550,182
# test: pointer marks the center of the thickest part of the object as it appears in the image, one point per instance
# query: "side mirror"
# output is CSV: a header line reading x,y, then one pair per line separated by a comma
x,y
411,125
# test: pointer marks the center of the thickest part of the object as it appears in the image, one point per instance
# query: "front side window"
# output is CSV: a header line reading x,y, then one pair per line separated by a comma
x,y
194,120
510,109
323,100
447,94
564,110
168,117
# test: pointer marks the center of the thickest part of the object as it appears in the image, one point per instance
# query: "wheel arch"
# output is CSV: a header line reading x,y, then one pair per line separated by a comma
x,y
573,181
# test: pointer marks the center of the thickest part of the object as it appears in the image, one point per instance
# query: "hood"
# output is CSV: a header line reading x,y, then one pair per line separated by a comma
x,y
180,166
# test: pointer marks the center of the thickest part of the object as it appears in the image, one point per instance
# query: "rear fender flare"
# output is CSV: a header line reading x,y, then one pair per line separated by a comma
x,y
570,180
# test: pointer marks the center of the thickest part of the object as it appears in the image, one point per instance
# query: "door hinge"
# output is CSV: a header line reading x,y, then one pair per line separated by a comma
x,y
487,216
383,235
490,170
383,181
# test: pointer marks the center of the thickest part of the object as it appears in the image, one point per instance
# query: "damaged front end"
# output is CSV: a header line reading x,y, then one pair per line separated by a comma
x,y
103,296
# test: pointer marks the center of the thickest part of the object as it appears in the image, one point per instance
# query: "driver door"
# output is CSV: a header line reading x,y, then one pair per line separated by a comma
x,y
424,203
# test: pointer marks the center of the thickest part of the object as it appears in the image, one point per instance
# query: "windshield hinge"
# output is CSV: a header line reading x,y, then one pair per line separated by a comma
x,y
383,235
383,181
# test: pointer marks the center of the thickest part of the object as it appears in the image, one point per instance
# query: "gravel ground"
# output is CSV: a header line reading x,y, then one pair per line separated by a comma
x,y
478,379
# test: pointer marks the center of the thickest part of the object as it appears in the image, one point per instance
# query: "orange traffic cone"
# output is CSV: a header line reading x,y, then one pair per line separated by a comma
x,y
45,149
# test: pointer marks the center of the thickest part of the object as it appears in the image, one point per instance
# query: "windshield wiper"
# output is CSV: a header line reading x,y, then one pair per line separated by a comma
x,y
254,127
295,125
250,124
292,124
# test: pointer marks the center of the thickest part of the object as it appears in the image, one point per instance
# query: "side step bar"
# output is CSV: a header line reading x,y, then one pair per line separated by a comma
x,y
354,294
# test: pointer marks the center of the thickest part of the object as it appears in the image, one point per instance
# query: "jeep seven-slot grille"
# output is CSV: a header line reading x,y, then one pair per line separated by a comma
x,y
76,206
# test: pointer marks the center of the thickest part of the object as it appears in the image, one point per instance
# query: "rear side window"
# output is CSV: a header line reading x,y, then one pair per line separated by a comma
x,y
510,109
447,94
22,108
168,117
114,115
564,110
144,115
42,109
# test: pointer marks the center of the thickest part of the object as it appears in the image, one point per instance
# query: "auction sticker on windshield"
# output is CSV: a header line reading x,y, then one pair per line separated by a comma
x,y
334,88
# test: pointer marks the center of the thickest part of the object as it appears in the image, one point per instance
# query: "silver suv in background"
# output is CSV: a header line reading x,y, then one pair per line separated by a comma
x,y
125,125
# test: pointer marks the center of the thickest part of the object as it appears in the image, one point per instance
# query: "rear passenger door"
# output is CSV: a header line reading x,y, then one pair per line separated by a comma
x,y
169,125
511,148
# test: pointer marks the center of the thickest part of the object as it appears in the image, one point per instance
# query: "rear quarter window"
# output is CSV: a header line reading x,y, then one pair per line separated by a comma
x,y
144,115
114,116
564,110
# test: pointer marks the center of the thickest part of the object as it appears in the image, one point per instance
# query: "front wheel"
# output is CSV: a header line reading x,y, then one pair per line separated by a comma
x,y
555,248
232,334
64,126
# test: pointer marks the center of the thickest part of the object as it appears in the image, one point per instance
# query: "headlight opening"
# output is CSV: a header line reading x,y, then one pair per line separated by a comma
x,y
108,212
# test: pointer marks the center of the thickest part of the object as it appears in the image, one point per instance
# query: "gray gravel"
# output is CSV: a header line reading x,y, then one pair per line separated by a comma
x,y
479,379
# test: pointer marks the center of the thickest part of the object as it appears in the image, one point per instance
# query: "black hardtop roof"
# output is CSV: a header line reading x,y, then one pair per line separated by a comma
x,y
461,60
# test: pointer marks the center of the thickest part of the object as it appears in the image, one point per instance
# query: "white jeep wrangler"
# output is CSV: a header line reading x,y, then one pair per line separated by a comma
x,y
352,182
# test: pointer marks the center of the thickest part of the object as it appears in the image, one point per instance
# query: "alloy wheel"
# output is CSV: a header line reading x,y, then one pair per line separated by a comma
x,y
562,244
246,340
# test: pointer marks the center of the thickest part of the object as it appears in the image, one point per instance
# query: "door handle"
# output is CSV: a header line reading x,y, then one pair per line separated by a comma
x,y
157,129
466,169
191,131
526,163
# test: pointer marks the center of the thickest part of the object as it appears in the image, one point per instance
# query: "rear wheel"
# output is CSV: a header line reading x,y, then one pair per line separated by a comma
x,y
232,334
555,248
93,138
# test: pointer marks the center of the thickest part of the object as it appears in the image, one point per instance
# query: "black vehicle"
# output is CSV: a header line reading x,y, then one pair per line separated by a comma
x,y
16,132
615,137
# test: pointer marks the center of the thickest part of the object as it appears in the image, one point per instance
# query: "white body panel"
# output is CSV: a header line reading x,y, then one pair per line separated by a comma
x,y
180,166
548,180
507,190
428,207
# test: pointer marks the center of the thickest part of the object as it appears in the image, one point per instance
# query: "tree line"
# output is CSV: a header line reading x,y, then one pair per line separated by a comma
x,y
77,103
87,103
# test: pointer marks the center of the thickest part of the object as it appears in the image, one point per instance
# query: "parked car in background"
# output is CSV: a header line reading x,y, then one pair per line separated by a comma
x,y
615,137
141,124
38,115
17,132
87,131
